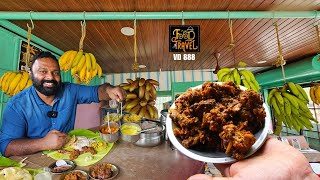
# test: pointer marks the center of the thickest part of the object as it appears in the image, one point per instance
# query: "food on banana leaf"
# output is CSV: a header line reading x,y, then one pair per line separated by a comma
x,y
14,173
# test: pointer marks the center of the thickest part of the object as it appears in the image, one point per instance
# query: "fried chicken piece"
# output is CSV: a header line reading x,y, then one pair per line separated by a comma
x,y
236,142
88,149
74,154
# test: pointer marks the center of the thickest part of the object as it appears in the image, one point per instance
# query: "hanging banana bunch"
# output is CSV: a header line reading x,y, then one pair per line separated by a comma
x,y
11,83
83,65
141,96
315,94
240,77
289,103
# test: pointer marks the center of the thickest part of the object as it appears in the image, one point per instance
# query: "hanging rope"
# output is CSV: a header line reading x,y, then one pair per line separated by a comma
x,y
135,65
83,31
182,18
280,51
28,41
231,45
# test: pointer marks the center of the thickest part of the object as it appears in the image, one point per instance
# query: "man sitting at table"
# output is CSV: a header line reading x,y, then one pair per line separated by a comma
x,y
39,117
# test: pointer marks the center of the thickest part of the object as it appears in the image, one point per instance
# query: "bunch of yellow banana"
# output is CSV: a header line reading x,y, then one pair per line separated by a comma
x,y
11,83
239,77
290,107
83,65
315,94
141,96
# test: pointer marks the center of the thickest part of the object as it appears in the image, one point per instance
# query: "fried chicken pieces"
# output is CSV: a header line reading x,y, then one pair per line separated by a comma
x,y
218,118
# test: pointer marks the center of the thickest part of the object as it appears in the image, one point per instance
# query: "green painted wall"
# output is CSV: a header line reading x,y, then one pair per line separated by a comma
x,y
300,72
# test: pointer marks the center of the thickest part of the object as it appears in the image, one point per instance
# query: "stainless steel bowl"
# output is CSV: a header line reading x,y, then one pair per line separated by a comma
x,y
130,132
110,137
152,138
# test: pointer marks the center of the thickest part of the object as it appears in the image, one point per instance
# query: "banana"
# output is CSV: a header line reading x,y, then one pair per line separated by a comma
x,y
77,59
226,78
253,87
278,129
245,75
249,73
143,111
88,76
151,102
133,103
317,93
246,84
70,59
73,72
287,106
99,70
150,110
134,85
93,61
123,84
295,123
236,76
294,110
29,83
223,70
153,82
153,91
148,86
126,87
4,79
142,90
143,102
302,92
147,95
15,81
294,90
292,99
232,78
8,82
255,82
24,80
82,73
64,58
135,109
88,63
94,73
131,96
313,96
275,105
302,105
129,80
270,95
220,77
155,113
142,81
81,63
279,97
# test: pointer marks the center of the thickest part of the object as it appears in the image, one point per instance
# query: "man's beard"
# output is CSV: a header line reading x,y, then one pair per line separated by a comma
x,y
47,91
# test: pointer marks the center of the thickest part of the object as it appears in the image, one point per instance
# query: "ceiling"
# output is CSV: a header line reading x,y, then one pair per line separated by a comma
x,y
255,39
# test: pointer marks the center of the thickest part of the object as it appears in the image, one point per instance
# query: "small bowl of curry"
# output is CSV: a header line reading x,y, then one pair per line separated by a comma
x,y
130,132
110,134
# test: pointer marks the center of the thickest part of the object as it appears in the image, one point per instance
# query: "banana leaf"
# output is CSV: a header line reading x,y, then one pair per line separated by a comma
x,y
86,158
6,162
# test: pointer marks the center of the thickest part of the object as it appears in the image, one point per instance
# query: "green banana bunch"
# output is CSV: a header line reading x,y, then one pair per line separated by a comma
x,y
248,80
289,105
239,77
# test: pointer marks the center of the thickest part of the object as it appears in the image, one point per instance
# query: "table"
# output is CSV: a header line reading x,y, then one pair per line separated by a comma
x,y
143,163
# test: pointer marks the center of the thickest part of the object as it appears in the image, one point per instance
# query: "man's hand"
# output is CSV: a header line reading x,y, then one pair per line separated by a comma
x,y
108,92
54,140
275,160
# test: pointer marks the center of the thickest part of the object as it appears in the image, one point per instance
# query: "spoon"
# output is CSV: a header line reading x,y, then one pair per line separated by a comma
x,y
148,129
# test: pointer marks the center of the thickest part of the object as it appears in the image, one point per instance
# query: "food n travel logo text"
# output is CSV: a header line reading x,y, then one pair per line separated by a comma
x,y
184,39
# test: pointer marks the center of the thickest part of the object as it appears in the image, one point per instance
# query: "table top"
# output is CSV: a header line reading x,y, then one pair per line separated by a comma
x,y
159,162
